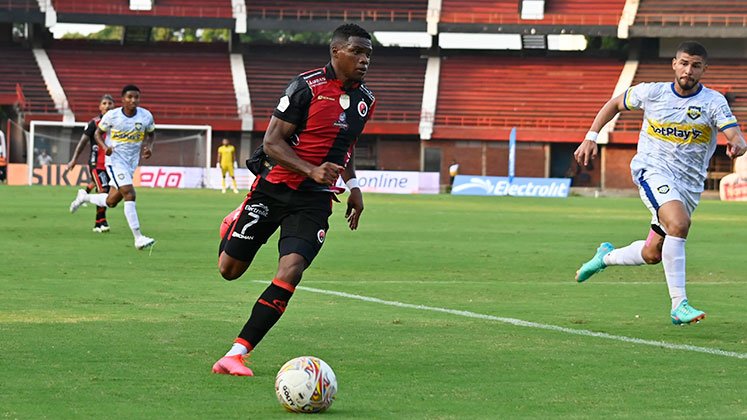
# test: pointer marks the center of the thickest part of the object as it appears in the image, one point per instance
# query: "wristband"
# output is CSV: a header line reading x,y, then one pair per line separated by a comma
x,y
591,136
352,183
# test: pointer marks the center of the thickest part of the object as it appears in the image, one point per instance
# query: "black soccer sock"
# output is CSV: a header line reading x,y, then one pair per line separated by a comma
x,y
267,311
100,215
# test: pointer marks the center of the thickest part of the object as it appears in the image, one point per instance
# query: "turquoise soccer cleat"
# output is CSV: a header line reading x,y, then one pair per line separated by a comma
x,y
596,264
685,314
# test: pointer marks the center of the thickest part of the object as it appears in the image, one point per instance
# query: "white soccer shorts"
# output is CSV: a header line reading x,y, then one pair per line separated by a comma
x,y
119,174
656,189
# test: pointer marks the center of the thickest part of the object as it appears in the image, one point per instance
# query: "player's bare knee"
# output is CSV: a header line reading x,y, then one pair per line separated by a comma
x,y
652,257
679,228
111,203
228,271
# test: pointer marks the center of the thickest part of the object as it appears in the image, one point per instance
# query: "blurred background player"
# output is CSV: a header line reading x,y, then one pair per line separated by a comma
x,y
226,162
96,161
130,132
680,122
309,142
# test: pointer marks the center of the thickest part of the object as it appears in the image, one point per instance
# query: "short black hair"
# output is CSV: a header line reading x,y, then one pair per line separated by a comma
x,y
343,32
129,88
692,48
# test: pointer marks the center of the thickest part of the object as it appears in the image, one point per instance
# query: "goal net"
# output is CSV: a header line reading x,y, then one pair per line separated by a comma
x,y
184,149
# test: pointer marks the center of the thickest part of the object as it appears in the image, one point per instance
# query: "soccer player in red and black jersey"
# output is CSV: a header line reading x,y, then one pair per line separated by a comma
x,y
99,177
309,143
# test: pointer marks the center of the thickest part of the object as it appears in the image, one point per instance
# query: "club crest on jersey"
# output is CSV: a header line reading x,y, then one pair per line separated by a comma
x,y
139,126
321,235
663,189
345,101
362,108
342,121
693,112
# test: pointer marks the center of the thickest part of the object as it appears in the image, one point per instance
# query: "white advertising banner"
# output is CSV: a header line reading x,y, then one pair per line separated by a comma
x,y
171,177
396,182
244,179
391,182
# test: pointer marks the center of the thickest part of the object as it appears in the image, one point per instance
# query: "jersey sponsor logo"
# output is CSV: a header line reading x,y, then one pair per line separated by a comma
x,y
679,133
241,236
324,98
316,82
321,235
259,209
345,101
663,189
284,103
342,121
694,112
362,108
127,136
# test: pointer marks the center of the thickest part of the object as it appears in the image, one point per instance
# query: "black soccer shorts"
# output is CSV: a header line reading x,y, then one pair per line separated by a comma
x,y
99,177
301,216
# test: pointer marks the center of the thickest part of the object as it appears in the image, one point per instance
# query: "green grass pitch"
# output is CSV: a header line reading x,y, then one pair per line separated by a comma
x,y
92,328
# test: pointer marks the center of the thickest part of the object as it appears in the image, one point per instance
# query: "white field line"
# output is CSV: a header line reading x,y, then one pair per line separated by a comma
x,y
522,323
570,283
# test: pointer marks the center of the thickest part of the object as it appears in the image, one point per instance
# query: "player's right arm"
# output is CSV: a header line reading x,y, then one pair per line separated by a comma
x,y
277,148
291,113
588,149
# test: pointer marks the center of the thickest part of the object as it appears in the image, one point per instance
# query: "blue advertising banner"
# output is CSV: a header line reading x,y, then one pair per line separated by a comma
x,y
518,187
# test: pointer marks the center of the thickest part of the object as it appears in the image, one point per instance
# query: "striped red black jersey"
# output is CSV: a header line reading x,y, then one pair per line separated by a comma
x,y
328,118
97,157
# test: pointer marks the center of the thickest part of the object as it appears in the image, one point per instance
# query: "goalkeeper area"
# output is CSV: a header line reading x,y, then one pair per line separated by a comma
x,y
436,307
177,146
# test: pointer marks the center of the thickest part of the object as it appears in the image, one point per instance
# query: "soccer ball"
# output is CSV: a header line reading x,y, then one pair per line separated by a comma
x,y
306,384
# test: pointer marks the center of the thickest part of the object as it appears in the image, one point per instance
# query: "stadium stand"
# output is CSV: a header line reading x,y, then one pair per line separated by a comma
x,y
395,76
568,12
381,10
19,5
181,84
556,96
18,67
177,8
692,13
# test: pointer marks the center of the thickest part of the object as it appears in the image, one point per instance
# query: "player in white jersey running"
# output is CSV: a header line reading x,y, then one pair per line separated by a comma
x,y
677,140
131,132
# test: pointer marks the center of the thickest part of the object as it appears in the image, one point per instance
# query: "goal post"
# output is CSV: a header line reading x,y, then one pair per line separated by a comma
x,y
179,145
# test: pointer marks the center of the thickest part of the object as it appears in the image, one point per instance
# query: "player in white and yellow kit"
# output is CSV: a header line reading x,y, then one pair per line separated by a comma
x,y
677,140
226,163
131,132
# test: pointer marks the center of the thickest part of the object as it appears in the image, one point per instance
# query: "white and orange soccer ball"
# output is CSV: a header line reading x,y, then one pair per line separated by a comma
x,y
306,384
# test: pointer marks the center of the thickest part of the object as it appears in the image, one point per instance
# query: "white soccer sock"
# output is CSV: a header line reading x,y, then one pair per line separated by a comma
x,y
673,259
131,214
629,255
97,199
237,349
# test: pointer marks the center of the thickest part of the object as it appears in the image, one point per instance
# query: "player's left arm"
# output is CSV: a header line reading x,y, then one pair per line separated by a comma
x,y
355,198
736,145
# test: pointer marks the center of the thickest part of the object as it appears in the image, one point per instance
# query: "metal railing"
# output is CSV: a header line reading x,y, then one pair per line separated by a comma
x,y
719,20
